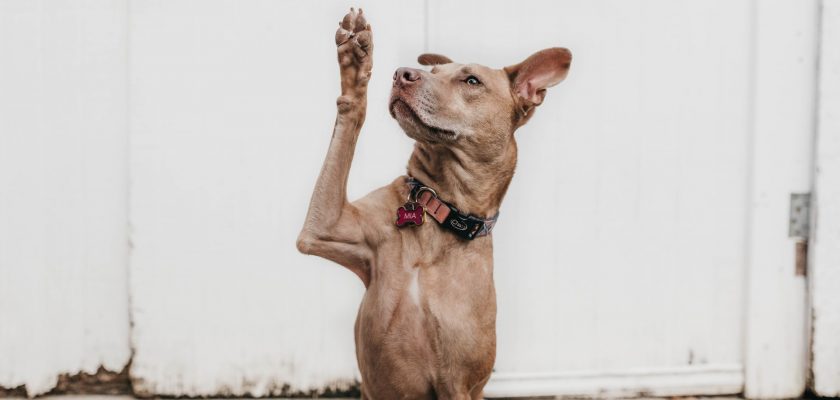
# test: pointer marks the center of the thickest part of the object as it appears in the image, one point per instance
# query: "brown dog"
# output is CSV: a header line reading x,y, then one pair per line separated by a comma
x,y
426,327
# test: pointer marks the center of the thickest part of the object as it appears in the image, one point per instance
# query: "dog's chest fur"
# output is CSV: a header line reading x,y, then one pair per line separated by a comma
x,y
430,313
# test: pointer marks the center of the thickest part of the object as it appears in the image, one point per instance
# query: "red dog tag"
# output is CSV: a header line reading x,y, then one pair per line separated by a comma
x,y
410,214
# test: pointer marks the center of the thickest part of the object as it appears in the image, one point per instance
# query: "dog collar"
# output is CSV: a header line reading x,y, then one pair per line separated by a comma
x,y
464,225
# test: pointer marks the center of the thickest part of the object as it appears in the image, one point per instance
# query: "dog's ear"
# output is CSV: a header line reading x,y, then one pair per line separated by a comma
x,y
433,59
530,78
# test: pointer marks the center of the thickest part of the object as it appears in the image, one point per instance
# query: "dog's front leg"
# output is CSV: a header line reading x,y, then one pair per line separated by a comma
x,y
333,227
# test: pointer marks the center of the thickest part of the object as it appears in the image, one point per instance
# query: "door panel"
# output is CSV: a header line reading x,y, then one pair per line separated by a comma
x,y
644,196
776,318
233,105
621,246
63,189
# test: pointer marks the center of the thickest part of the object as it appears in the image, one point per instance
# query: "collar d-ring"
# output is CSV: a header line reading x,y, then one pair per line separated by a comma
x,y
421,190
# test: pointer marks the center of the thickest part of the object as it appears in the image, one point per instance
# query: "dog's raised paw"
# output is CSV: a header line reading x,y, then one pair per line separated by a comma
x,y
355,46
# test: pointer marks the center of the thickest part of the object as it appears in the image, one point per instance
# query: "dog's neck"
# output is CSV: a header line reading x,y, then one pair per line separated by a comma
x,y
474,187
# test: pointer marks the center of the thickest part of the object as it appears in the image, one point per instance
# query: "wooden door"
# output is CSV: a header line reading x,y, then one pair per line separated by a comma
x,y
642,248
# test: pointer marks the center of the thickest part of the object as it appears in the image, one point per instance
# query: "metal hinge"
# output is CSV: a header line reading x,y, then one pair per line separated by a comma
x,y
799,228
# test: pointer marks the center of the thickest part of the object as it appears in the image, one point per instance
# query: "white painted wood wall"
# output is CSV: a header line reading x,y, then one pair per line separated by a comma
x,y
222,300
782,128
63,190
825,266
668,157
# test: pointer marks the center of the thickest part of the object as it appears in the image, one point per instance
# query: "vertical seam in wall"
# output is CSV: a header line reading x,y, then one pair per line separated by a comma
x,y
749,186
815,132
425,26
128,172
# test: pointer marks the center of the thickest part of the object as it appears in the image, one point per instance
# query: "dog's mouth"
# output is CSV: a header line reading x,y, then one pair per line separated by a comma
x,y
400,108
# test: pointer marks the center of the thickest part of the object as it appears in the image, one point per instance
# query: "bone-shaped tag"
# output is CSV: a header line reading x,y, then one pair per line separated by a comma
x,y
410,214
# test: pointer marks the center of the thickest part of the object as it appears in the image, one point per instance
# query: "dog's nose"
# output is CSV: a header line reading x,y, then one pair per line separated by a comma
x,y
406,76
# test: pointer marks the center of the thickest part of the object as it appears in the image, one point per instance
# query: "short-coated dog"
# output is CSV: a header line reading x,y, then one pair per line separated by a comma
x,y
422,245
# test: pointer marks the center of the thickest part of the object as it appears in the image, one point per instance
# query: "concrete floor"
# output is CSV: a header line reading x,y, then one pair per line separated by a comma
x,y
104,397
107,397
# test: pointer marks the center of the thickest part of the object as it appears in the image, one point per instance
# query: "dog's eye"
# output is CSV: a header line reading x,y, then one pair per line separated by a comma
x,y
471,80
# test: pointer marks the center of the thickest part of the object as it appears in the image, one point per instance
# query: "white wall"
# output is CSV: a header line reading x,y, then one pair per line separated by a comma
x,y
783,114
667,158
233,105
63,203
231,116
640,156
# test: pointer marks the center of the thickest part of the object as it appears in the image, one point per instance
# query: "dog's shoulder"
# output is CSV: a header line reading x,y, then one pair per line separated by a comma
x,y
391,195
378,208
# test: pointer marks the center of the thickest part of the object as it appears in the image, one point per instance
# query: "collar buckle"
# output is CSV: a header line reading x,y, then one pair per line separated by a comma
x,y
465,226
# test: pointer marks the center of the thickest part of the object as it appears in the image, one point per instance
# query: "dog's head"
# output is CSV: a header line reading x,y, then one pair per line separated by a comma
x,y
471,106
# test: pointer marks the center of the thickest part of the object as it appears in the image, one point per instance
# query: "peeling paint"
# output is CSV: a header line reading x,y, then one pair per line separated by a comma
x,y
248,389
19,391
102,382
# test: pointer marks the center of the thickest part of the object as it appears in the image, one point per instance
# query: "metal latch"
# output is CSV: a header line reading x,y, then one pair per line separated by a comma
x,y
799,227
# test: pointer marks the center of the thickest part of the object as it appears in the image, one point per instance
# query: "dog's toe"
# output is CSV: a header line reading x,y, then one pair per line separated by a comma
x,y
342,35
360,23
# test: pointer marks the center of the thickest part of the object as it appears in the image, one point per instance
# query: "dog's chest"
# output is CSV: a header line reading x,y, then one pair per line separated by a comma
x,y
431,306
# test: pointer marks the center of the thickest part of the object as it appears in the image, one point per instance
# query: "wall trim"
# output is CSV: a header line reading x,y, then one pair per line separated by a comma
x,y
671,381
